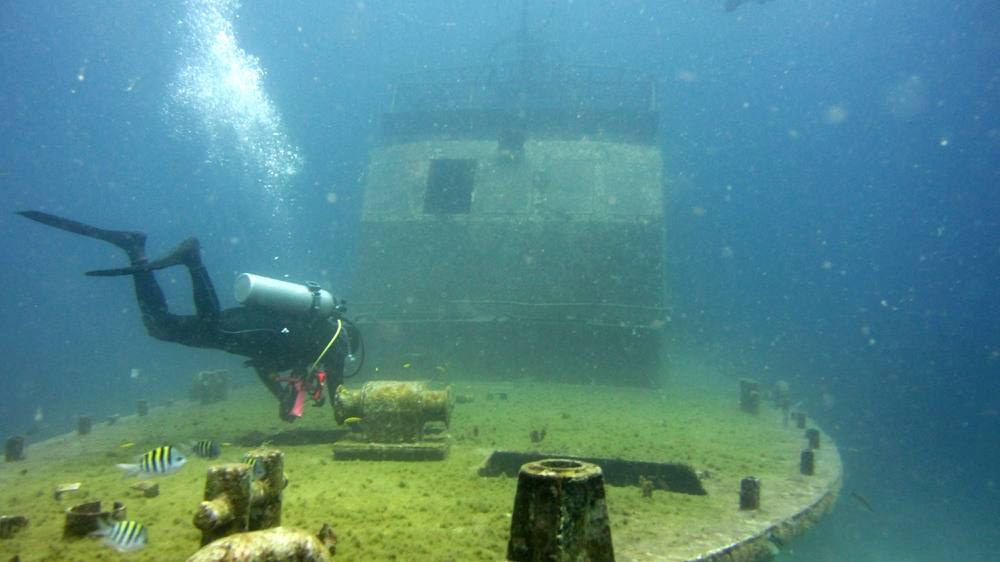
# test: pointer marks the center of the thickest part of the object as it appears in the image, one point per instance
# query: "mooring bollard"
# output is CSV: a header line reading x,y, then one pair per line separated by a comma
x,y
749,396
782,396
749,493
266,490
83,425
800,419
226,509
560,513
242,497
142,406
807,462
14,450
812,434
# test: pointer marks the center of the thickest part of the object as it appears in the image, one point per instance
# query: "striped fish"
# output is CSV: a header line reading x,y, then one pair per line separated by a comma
x,y
123,536
161,461
258,466
207,449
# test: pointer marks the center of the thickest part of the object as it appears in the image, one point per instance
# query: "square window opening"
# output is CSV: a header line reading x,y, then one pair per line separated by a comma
x,y
449,186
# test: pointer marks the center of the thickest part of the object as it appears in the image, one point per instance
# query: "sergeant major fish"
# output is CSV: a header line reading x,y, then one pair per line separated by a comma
x,y
254,462
161,461
123,536
206,448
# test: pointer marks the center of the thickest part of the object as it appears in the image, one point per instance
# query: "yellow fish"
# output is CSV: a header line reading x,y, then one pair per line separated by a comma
x,y
407,366
440,368
352,420
126,445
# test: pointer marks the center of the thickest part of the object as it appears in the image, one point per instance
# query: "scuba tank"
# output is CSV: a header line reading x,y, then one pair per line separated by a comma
x,y
285,297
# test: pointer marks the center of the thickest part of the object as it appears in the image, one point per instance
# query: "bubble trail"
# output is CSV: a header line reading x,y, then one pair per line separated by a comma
x,y
218,94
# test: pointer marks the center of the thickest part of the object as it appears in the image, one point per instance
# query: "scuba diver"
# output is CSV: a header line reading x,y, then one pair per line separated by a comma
x,y
281,327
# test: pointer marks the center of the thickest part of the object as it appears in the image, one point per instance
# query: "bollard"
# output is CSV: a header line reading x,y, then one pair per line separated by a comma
x,y
749,396
749,493
226,509
782,396
266,491
800,419
142,406
812,434
560,513
14,451
807,462
83,425
242,497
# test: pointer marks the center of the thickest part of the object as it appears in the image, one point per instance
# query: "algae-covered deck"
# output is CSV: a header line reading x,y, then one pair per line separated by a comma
x,y
384,510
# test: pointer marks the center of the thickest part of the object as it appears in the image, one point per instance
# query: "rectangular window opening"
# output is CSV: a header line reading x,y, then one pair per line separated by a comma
x,y
449,186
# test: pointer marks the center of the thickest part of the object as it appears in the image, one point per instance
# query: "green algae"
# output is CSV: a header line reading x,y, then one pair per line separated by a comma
x,y
435,510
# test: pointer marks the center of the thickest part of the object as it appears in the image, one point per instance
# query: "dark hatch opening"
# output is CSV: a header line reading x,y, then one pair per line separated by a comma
x,y
449,186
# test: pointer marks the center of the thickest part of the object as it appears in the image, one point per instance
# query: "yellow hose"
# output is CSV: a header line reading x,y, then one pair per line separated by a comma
x,y
321,355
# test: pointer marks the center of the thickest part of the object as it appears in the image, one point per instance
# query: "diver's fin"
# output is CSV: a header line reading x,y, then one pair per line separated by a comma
x,y
187,253
117,272
128,241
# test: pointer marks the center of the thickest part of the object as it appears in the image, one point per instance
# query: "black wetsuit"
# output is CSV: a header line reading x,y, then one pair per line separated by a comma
x,y
273,342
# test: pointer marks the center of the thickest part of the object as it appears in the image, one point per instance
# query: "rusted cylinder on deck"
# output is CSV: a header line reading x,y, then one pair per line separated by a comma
x,y
393,411
800,419
142,407
560,513
14,450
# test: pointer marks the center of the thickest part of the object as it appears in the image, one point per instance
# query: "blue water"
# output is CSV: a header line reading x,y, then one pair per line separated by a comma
x,y
833,204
